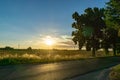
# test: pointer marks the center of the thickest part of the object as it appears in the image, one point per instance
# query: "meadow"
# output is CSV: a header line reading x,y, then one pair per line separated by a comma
x,y
24,56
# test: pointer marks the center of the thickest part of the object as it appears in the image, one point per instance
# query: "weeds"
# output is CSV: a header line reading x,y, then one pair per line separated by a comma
x,y
42,56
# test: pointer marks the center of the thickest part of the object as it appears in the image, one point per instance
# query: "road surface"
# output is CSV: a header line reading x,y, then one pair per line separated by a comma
x,y
96,75
68,70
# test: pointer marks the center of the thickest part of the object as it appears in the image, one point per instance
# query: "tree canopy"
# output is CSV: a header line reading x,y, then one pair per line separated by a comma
x,y
88,28
98,28
112,14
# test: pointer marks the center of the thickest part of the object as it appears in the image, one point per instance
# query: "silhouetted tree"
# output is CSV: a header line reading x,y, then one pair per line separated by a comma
x,y
29,48
90,25
8,48
78,37
110,40
112,14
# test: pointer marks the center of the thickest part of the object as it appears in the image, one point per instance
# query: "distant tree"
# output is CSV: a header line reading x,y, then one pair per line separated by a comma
x,y
89,28
8,48
29,48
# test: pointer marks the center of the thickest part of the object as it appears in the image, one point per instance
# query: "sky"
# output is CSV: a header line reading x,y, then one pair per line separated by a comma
x,y
25,23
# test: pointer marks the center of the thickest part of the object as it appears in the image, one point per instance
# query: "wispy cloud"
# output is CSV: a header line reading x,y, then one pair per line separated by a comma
x,y
63,41
38,42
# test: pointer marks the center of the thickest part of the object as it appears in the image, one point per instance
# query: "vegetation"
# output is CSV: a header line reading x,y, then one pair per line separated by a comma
x,y
42,56
115,73
112,14
98,28
89,28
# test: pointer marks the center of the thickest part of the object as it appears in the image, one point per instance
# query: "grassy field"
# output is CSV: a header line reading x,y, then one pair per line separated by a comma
x,y
115,73
43,56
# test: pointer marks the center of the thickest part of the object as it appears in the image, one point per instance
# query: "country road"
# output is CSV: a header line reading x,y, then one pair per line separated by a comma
x,y
68,70
96,75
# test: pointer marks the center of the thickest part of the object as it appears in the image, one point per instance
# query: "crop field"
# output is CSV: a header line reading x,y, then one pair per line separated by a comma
x,y
43,56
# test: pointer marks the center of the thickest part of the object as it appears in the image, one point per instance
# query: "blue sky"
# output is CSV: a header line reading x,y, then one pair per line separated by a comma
x,y
28,22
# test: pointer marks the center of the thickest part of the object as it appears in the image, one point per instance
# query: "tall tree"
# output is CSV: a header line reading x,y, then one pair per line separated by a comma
x,y
110,39
94,18
112,14
90,24
78,36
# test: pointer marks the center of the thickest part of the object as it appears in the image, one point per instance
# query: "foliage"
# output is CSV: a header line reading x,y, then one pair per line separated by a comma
x,y
113,14
89,28
112,19
78,36
110,37
29,48
8,48
98,28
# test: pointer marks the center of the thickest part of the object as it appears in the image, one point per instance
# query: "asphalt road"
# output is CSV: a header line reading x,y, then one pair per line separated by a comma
x,y
68,70
96,75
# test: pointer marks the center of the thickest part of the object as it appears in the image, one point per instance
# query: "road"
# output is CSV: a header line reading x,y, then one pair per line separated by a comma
x,y
96,75
68,70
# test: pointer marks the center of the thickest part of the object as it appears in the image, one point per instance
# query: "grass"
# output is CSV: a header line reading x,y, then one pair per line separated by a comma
x,y
115,73
8,57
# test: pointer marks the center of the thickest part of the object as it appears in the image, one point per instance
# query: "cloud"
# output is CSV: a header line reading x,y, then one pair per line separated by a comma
x,y
67,43
63,41
38,42
66,37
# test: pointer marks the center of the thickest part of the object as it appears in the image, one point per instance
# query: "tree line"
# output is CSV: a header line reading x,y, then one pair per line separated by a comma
x,y
98,28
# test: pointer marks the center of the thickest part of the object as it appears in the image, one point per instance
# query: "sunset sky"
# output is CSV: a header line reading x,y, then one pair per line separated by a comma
x,y
31,22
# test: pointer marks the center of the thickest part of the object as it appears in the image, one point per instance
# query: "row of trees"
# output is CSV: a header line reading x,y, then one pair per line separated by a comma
x,y
97,28
11,48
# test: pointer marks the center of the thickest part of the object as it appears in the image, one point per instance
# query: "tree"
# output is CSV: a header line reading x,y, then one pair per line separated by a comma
x,y
113,14
95,20
80,33
29,48
8,48
78,37
110,39
90,24
112,18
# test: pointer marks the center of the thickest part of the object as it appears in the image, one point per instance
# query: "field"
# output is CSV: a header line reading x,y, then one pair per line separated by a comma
x,y
43,56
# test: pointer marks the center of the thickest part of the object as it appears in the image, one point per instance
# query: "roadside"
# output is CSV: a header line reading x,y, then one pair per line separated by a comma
x,y
65,70
115,73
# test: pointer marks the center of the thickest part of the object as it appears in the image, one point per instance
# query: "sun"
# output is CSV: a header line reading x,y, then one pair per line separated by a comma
x,y
49,41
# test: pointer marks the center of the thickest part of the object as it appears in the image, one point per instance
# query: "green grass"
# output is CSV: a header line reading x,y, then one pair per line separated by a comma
x,y
8,57
115,73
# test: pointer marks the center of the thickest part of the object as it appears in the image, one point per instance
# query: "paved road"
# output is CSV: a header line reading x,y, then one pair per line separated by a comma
x,y
54,71
96,75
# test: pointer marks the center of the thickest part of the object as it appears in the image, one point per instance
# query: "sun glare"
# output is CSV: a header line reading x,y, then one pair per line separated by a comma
x,y
49,41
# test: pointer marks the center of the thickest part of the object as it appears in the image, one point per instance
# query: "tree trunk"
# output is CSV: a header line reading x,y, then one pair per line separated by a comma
x,y
93,52
114,49
106,51
93,46
80,45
